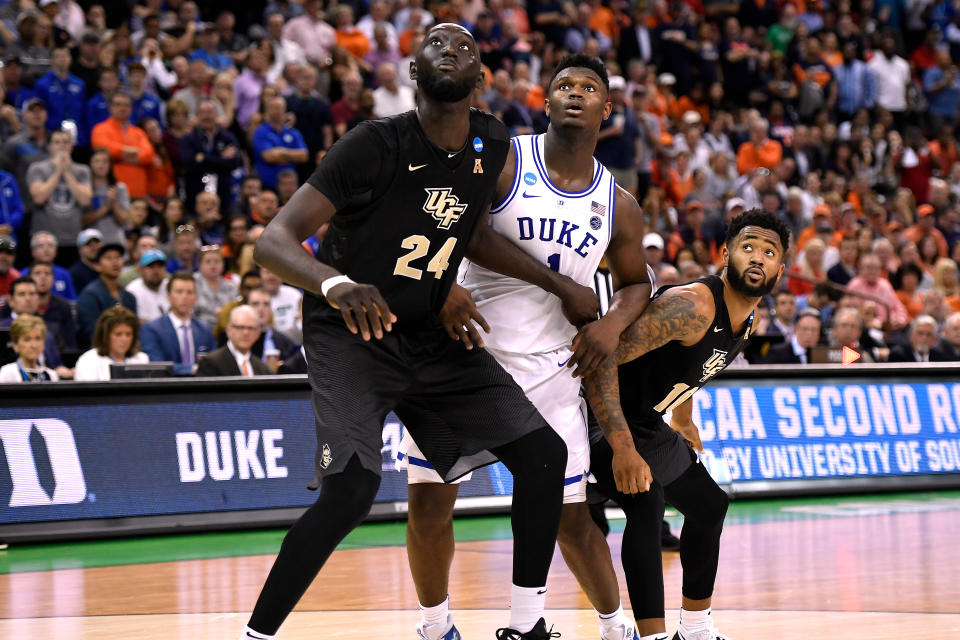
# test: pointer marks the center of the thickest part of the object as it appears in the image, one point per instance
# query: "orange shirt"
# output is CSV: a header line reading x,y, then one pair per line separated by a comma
x,y
113,137
946,156
912,303
767,155
353,41
810,233
954,302
160,179
603,20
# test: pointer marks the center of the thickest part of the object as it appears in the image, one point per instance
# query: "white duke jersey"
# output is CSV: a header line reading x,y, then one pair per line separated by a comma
x,y
569,232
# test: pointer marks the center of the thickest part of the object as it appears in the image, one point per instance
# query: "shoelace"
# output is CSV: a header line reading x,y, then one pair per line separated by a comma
x,y
506,633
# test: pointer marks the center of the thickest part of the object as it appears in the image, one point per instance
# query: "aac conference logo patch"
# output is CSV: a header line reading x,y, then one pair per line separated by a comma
x,y
44,464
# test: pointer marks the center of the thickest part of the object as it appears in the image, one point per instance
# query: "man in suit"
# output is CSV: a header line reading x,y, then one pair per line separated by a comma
x,y
235,358
923,335
806,335
947,348
270,339
178,337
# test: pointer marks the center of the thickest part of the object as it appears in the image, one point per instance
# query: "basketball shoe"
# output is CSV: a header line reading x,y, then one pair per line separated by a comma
x,y
629,632
432,631
704,634
539,632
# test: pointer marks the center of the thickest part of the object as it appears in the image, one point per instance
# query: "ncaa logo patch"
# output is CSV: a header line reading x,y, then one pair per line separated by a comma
x,y
43,461
530,178
477,145
595,222
326,456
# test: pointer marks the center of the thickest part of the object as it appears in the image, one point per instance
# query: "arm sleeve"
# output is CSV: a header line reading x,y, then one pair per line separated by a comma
x,y
349,169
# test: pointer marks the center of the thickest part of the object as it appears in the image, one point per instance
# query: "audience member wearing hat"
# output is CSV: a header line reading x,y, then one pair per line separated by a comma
x,y
150,289
926,226
102,293
84,271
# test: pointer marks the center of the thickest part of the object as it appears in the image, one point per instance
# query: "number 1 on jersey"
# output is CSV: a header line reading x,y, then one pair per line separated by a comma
x,y
680,393
419,246
553,261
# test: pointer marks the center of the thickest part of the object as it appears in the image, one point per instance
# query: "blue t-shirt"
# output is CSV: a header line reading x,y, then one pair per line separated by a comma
x,y
65,100
265,138
946,101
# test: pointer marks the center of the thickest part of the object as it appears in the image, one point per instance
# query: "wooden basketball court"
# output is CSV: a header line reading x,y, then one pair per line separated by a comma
x,y
882,568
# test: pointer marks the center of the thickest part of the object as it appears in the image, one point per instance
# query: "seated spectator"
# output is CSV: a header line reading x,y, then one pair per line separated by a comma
x,y
61,190
390,98
267,206
84,271
141,245
150,288
235,238
25,301
8,251
349,104
806,335
128,145
209,221
948,346
922,334
811,267
235,359
275,145
184,249
43,248
213,290
114,342
27,336
249,281
102,293
11,204
56,312
946,282
845,270
272,347
869,281
285,302
178,337
784,312
759,151
208,52
848,331
249,85
109,210
908,278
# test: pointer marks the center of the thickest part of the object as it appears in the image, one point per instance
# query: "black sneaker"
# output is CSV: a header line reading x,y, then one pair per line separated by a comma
x,y
668,541
539,632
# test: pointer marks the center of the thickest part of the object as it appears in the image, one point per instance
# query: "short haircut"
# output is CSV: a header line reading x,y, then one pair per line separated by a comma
x,y
809,312
36,238
783,292
762,219
41,263
582,60
24,324
108,321
22,280
923,318
184,276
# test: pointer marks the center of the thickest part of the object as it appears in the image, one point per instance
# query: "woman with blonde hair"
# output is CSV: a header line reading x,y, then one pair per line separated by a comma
x,y
811,266
946,282
115,341
28,335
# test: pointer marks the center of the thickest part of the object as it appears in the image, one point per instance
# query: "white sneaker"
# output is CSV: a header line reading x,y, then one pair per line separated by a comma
x,y
706,634
628,632
438,632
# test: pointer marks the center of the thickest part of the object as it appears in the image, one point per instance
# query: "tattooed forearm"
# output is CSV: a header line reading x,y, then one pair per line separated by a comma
x,y
669,317
603,393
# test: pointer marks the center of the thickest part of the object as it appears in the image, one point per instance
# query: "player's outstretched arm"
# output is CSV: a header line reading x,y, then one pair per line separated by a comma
x,y
363,308
681,313
631,282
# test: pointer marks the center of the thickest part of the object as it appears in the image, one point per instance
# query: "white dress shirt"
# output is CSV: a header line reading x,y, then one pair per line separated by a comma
x,y
241,358
892,76
91,366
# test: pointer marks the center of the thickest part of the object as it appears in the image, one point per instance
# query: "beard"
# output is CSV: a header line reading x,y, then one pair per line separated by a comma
x,y
445,89
739,283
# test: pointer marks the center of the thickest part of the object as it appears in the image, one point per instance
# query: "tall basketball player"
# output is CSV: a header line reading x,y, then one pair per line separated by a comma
x,y
562,207
686,336
404,196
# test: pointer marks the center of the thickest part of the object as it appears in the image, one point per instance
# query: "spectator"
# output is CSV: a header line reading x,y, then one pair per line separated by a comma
x,y
926,226
349,104
247,201
383,51
84,271
210,154
137,245
144,103
150,289
892,74
64,94
349,38
848,330
759,150
945,281
923,336
845,270
248,282
184,249
285,302
908,278
87,65
28,146
784,313
267,205
209,50
198,78
235,238
98,106
870,281
235,359
209,225
43,248
213,290
115,341
276,146
178,337
232,43
948,346
109,210
128,145
314,35
806,335
103,292
617,142
27,336
942,84
12,74
249,86
285,51
25,300
8,251
11,204
56,311
60,190
272,346
856,87
287,185
390,98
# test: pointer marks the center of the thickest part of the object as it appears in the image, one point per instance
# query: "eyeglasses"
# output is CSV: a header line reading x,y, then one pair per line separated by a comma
x,y
210,248
242,327
186,228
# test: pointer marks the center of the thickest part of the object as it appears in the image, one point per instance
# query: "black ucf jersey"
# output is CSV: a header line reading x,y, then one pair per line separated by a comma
x,y
663,379
406,208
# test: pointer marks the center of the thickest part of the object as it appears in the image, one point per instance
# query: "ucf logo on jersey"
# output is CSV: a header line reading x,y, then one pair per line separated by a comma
x,y
714,364
444,207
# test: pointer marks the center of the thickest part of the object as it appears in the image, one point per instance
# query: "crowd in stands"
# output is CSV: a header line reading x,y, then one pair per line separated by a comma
x,y
144,145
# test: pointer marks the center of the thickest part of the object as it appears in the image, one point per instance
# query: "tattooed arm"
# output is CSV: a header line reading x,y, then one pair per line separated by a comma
x,y
682,313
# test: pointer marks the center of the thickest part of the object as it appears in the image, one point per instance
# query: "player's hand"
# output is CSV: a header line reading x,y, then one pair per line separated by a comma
x,y
458,315
630,471
363,309
594,343
690,433
580,304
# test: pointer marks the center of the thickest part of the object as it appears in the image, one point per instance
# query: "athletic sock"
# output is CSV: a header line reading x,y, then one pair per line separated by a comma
x,y
610,621
526,606
250,634
693,621
436,616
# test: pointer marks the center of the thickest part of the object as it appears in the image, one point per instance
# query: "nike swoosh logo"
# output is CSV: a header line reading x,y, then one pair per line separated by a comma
x,y
530,195
560,364
414,168
717,329
258,637
540,593
450,155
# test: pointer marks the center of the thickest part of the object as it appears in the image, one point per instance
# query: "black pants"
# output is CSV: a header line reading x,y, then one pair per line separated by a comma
x,y
703,504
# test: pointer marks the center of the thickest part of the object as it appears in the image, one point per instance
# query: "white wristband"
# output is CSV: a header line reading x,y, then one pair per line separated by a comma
x,y
330,283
